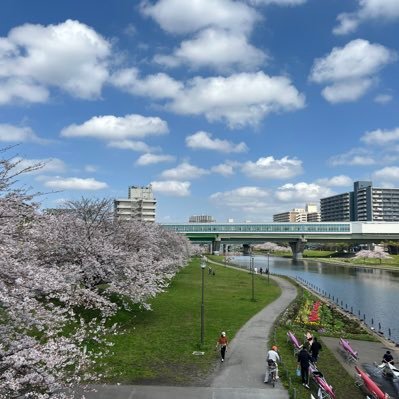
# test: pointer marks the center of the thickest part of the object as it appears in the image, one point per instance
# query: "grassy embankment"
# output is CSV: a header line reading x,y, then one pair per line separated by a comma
x,y
157,345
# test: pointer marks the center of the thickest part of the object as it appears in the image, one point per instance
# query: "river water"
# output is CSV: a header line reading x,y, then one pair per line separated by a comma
x,y
370,294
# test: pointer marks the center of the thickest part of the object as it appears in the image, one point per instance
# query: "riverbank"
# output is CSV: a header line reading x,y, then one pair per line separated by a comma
x,y
342,260
347,263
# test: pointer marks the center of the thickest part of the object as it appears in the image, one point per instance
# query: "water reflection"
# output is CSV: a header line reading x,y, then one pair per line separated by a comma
x,y
372,293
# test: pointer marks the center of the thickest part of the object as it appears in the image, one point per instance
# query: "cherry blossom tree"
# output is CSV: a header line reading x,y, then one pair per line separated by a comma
x,y
272,247
378,253
54,266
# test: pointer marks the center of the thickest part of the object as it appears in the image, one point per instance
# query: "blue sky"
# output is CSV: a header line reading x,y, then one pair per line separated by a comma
x,y
235,109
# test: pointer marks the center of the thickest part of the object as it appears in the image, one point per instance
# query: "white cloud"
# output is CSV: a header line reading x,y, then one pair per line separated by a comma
x,y
176,16
216,48
14,90
49,165
264,203
224,169
302,192
348,91
247,199
239,99
138,146
203,140
383,98
278,2
350,70
71,56
149,159
388,176
381,137
10,133
335,181
184,171
75,183
110,127
270,168
172,188
159,85
359,58
348,22
380,10
90,168
355,157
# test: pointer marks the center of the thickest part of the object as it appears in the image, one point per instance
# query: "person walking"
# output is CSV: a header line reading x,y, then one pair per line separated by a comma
x,y
315,348
222,342
304,360
272,359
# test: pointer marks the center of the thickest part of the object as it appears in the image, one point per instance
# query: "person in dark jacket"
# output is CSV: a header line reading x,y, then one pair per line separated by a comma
x,y
315,348
304,359
387,358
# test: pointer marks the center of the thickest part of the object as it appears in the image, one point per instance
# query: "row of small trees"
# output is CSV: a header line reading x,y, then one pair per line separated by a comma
x,y
62,275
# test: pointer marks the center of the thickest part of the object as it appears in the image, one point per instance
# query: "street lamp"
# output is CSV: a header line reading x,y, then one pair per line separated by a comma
x,y
203,266
268,270
252,263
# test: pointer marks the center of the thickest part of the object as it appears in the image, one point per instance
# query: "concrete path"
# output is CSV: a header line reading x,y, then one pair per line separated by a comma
x,y
241,376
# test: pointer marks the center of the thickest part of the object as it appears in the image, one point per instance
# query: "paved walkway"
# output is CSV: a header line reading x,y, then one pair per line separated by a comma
x,y
239,377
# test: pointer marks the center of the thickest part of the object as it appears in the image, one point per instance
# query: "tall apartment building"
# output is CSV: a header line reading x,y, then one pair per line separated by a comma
x,y
201,219
140,204
337,208
364,203
299,215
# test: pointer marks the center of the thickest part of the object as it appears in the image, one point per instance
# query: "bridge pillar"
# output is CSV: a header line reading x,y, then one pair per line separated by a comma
x,y
216,247
297,248
246,249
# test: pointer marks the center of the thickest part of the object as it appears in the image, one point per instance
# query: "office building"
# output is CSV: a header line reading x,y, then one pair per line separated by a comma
x,y
299,215
140,205
364,203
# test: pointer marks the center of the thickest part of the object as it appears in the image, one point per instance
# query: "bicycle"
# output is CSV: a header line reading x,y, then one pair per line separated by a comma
x,y
272,377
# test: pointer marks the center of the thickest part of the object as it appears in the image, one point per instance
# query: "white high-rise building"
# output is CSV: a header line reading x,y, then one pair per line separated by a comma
x,y
140,204
299,215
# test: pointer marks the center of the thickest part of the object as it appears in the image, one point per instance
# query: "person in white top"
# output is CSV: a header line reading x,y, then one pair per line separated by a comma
x,y
272,359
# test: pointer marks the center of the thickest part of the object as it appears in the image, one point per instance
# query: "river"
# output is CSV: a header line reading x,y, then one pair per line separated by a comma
x,y
372,294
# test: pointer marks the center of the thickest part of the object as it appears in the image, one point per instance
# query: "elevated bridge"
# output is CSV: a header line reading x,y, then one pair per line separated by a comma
x,y
297,235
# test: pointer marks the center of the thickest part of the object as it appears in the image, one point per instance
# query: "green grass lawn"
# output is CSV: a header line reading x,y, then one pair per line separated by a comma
x,y
157,345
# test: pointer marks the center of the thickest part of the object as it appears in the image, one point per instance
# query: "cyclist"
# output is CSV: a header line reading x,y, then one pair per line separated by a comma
x,y
272,359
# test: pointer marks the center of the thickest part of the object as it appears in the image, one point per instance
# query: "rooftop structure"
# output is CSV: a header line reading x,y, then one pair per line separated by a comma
x,y
201,219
